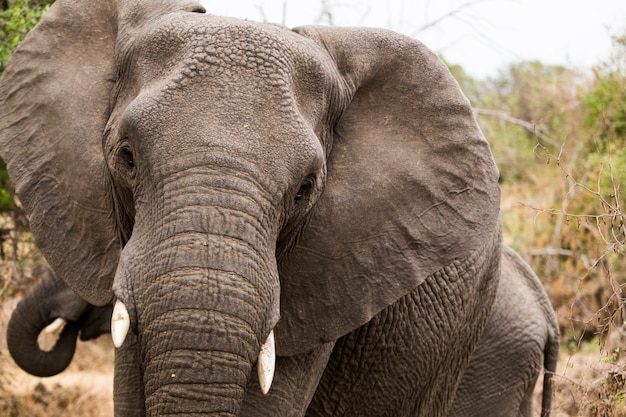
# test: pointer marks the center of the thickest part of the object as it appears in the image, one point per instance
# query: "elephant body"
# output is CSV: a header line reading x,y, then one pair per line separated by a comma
x,y
520,341
253,196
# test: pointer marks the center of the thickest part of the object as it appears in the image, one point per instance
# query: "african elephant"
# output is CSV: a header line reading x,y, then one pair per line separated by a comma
x,y
48,300
504,368
253,195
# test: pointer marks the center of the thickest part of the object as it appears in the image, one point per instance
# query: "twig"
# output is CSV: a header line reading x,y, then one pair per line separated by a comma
x,y
561,252
444,16
531,127
325,13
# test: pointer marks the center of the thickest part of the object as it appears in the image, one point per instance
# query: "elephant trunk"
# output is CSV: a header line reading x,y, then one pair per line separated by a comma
x,y
22,335
199,350
203,304
32,314
198,359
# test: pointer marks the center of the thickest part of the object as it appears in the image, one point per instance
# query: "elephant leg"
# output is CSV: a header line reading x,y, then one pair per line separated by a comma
x,y
407,361
295,381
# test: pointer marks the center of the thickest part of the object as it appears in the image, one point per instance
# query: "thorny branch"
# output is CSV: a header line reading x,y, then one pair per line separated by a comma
x,y
608,222
613,219
611,223
325,13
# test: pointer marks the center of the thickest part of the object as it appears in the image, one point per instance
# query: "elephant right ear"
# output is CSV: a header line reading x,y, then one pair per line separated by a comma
x,y
54,105
411,192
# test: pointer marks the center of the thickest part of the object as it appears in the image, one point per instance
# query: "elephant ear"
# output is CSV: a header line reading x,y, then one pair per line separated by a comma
x,y
54,104
412,189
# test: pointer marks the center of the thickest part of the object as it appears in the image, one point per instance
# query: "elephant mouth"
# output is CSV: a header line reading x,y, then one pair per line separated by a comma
x,y
266,362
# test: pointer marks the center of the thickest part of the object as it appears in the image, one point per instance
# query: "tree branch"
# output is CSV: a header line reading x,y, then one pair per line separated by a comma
x,y
531,127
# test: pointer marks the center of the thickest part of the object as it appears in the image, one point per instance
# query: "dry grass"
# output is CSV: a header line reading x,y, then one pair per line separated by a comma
x,y
589,383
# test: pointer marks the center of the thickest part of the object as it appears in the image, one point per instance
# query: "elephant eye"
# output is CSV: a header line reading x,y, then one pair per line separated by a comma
x,y
305,189
126,155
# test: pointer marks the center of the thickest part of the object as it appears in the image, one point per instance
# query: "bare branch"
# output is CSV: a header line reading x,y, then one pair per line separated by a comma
x,y
325,13
452,13
441,18
261,10
284,19
531,127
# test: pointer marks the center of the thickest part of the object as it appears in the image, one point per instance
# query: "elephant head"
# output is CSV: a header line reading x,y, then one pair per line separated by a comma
x,y
49,300
227,181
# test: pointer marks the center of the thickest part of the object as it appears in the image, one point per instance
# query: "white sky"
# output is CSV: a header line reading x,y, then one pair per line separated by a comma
x,y
483,37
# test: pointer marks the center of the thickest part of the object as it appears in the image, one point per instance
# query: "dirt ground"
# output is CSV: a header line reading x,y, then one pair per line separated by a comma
x,y
588,383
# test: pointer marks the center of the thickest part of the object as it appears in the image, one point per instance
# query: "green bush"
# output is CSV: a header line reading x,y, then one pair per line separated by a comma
x,y
17,17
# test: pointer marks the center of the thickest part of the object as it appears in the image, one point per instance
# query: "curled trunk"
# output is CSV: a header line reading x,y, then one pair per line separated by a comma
x,y
22,339
48,300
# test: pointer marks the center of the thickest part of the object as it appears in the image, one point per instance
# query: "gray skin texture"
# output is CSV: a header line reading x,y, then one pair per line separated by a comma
x,y
521,340
46,301
223,178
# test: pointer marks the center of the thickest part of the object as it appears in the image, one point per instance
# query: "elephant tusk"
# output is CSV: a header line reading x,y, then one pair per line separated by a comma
x,y
120,323
56,326
267,363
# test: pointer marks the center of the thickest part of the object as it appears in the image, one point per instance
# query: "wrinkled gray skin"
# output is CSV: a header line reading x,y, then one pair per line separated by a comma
x,y
48,300
223,178
521,340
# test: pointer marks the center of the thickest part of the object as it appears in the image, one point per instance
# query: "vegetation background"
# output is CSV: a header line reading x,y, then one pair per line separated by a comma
x,y
559,138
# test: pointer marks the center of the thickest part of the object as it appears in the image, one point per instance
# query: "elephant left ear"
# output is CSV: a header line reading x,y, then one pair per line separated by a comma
x,y
55,97
412,189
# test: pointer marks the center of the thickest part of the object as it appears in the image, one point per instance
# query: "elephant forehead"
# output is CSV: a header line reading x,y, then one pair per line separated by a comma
x,y
228,79
188,48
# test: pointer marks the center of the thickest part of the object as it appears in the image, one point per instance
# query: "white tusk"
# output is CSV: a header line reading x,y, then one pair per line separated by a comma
x,y
56,326
267,363
120,323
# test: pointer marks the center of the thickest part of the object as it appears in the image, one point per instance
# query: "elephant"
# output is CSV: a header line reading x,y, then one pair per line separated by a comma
x,y
249,195
46,301
504,368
